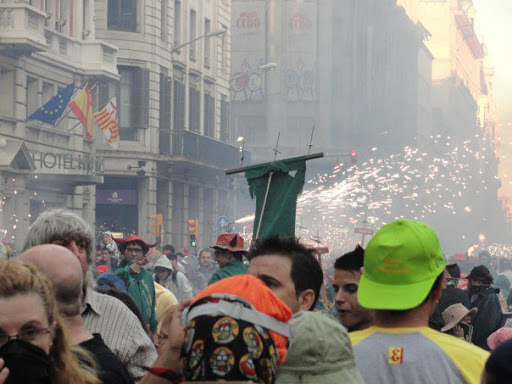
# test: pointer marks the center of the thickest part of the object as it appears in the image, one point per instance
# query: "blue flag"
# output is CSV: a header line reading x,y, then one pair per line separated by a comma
x,y
52,110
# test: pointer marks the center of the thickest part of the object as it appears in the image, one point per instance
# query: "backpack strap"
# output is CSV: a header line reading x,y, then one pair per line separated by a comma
x,y
173,277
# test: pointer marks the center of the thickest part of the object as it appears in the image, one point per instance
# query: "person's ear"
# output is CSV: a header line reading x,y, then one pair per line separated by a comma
x,y
361,270
306,299
439,288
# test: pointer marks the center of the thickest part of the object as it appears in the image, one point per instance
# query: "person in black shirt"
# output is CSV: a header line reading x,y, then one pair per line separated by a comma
x,y
485,299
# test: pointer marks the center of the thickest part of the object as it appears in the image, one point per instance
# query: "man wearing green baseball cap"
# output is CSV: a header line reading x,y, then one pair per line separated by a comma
x,y
403,279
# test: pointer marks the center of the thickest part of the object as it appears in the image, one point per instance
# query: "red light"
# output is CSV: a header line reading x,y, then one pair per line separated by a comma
x,y
353,152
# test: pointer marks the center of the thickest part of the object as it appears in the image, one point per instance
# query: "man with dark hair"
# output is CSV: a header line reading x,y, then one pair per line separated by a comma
x,y
289,269
347,273
485,299
167,248
138,281
229,253
108,259
403,277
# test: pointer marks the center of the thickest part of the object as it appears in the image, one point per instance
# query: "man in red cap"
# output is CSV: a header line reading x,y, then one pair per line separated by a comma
x,y
138,281
229,252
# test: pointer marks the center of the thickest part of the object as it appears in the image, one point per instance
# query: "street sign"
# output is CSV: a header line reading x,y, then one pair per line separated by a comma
x,y
364,231
221,222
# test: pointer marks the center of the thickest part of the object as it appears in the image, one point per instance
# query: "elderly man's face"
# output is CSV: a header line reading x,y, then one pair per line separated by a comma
x,y
79,249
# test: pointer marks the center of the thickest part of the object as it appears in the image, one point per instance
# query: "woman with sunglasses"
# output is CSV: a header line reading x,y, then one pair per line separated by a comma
x,y
34,347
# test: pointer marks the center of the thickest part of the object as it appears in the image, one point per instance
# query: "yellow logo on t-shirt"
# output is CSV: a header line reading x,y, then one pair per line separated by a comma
x,y
396,355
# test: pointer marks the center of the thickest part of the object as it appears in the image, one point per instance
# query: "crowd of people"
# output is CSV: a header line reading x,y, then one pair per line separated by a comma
x,y
124,311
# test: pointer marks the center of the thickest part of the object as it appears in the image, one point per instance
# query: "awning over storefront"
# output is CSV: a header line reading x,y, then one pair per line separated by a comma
x,y
15,156
62,182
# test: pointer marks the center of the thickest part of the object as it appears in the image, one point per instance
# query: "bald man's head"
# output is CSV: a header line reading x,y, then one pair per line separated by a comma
x,y
64,271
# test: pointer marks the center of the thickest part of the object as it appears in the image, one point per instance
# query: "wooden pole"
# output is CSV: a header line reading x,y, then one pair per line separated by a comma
x,y
245,169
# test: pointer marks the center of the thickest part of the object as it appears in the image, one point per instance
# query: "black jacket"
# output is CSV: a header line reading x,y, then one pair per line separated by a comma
x,y
488,318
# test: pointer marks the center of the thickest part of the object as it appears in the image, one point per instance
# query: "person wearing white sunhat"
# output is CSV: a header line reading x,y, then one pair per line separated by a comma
x,y
457,320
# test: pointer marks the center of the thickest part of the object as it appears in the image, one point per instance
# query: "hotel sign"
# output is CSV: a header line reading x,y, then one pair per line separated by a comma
x,y
73,163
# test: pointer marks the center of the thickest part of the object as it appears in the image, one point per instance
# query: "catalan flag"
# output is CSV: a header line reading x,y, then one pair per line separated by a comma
x,y
53,109
81,106
108,122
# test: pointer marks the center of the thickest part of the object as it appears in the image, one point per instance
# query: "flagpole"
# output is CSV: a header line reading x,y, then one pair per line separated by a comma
x,y
69,110
75,90
264,204
247,168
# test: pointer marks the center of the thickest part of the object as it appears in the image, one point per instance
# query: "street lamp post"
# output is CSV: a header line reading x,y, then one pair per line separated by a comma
x,y
218,32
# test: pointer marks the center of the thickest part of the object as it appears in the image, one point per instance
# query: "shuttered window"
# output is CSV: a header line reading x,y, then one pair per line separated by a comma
x,y
133,101
194,109
165,113
209,115
224,119
179,105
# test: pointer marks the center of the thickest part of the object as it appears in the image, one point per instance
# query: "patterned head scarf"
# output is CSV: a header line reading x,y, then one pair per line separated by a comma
x,y
235,329
223,347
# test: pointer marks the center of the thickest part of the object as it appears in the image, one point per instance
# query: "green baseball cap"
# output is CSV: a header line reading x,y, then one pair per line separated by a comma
x,y
401,263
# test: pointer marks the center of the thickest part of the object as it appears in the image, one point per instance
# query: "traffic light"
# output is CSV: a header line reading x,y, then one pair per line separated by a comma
x,y
193,231
155,224
353,157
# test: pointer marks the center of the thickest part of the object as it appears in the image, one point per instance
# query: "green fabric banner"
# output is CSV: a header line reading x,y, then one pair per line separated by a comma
x,y
281,203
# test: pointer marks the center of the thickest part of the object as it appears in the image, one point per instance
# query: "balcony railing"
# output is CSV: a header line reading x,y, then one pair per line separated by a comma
x,y
202,149
22,28
94,57
99,58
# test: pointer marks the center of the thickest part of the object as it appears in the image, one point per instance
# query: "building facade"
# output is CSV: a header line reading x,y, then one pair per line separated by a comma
x,y
463,106
167,63
347,75
44,46
173,103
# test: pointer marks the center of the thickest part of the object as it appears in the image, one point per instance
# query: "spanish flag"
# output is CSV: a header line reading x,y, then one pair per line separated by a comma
x,y
81,106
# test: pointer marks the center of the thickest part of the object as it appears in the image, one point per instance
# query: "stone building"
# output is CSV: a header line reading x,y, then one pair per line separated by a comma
x,y
168,64
173,106
44,46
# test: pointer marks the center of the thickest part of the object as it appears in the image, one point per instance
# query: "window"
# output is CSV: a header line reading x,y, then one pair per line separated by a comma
x,y
48,92
32,93
122,15
64,23
194,109
163,20
105,91
179,101
7,90
193,27
224,52
87,14
193,201
253,129
224,118
299,131
209,115
177,22
133,101
207,46
208,205
165,113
